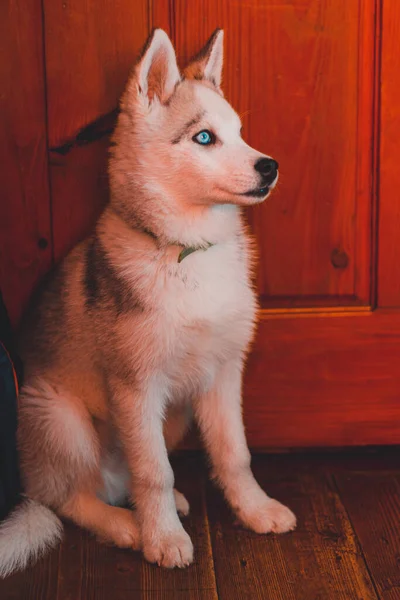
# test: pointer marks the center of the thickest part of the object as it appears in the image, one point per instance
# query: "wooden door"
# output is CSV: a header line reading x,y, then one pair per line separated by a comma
x,y
316,83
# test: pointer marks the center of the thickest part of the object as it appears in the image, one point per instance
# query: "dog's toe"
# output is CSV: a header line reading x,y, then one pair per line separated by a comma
x,y
270,517
174,549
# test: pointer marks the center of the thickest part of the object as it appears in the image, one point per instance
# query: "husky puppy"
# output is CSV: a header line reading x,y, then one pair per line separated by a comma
x,y
145,323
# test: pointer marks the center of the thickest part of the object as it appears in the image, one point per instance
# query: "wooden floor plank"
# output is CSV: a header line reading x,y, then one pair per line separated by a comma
x,y
346,546
35,583
373,504
320,560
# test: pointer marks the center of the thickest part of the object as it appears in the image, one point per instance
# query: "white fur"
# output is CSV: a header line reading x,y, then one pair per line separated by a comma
x,y
27,533
116,480
214,61
61,420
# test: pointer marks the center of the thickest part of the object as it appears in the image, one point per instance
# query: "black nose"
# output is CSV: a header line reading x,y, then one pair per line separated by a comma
x,y
268,168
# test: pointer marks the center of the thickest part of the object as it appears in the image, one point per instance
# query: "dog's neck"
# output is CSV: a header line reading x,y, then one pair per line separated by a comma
x,y
191,227
186,250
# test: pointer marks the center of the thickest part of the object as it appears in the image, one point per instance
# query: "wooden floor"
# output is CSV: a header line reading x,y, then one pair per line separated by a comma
x,y
346,546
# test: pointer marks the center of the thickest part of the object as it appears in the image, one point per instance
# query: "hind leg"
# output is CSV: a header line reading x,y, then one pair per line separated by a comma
x,y
60,452
176,425
58,445
109,523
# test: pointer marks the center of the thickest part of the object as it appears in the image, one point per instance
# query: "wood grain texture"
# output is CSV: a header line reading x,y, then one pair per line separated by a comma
x,y
90,48
301,74
373,505
35,583
324,380
321,559
79,185
389,177
161,15
25,205
345,545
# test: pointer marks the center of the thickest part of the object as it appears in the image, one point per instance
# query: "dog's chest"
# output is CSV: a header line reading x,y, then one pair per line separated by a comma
x,y
210,287
208,310
198,314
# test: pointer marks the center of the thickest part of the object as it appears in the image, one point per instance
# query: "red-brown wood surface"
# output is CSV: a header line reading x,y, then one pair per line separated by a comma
x,y
90,48
345,546
324,380
389,176
372,501
321,560
79,190
25,237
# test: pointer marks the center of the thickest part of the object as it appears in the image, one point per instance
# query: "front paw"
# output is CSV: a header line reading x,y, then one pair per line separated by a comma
x,y
269,516
172,549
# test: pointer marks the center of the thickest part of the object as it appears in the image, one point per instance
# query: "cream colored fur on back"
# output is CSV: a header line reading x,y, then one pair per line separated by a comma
x,y
125,343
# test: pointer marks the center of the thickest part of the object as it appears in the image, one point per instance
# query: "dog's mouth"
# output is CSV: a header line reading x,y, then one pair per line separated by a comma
x,y
266,186
258,192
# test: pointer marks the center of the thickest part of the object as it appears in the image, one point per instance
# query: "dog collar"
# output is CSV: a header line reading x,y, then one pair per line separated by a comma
x,y
186,251
190,249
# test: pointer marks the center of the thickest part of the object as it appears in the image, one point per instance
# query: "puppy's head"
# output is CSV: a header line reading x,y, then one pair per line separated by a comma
x,y
185,138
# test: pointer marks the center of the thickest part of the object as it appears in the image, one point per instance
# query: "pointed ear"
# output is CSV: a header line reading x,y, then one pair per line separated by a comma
x,y
156,73
207,64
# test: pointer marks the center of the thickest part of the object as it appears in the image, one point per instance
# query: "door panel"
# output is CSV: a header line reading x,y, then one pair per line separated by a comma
x,y
304,76
324,380
389,171
301,75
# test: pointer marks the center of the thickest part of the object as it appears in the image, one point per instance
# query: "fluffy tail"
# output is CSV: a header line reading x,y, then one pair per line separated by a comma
x,y
26,534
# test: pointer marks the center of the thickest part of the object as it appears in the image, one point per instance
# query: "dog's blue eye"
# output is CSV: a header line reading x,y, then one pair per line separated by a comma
x,y
204,138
